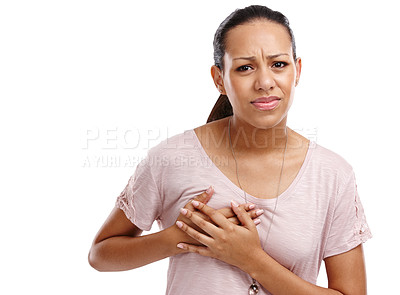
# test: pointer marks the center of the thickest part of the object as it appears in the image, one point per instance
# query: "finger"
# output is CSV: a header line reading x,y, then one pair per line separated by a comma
x,y
205,240
243,217
206,196
215,216
249,206
255,213
203,224
257,221
202,250
203,197
236,221
231,216
228,213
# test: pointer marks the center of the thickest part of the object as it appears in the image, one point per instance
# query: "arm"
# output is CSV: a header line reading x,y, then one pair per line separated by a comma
x,y
118,245
240,246
346,272
346,275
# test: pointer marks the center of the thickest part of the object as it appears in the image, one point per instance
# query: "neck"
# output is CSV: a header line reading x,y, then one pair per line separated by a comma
x,y
248,138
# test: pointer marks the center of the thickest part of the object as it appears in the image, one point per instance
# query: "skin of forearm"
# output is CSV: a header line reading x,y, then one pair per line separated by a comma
x,y
279,280
119,253
124,252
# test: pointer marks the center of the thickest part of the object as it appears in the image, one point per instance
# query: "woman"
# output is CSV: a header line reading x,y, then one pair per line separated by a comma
x,y
307,193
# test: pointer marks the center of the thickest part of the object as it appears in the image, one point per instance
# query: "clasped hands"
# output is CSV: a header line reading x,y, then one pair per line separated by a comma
x,y
228,234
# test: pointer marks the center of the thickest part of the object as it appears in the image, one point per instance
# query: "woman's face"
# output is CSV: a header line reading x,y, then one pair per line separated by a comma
x,y
260,74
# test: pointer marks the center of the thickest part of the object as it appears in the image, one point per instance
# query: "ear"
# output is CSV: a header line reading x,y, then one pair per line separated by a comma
x,y
298,70
217,76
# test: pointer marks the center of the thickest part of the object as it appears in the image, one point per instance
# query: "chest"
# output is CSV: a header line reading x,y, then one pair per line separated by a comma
x,y
297,232
263,176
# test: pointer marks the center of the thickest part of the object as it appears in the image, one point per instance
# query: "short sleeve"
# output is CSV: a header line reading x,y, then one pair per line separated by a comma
x,y
349,227
141,200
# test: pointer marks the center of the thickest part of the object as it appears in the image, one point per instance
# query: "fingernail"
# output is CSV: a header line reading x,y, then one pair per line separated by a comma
x,y
234,204
179,224
208,191
195,203
259,212
252,206
180,246
184,211
257,221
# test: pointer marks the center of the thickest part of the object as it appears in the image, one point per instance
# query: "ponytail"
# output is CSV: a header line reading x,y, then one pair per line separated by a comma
x,y
221,109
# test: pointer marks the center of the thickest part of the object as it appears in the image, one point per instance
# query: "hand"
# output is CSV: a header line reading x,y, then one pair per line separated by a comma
x,y
203,197
231,216
227,212
223,240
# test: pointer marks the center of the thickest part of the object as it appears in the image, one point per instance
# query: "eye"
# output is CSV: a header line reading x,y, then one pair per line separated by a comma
x,y
243,68
280,64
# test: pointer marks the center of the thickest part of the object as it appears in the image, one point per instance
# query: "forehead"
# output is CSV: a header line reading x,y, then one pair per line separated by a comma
x,y
257,37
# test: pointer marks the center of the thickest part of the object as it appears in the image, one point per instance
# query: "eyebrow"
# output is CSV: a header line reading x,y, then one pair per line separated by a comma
x,y
268,57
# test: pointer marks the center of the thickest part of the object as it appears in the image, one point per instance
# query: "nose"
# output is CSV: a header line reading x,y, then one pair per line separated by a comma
x,y
264,80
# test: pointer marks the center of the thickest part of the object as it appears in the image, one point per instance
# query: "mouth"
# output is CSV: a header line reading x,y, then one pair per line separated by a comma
x,y
266,103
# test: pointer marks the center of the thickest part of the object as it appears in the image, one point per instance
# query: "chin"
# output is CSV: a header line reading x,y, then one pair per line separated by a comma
x,y
272,120
265,121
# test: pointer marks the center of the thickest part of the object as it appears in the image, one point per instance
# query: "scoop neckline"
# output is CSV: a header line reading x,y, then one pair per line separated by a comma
x,y
250,198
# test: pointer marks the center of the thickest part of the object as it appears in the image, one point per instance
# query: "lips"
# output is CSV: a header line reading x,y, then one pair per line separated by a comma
x,y
266,103
265,99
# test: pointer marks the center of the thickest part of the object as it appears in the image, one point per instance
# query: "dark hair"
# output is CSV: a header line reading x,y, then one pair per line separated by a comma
x,y
223,107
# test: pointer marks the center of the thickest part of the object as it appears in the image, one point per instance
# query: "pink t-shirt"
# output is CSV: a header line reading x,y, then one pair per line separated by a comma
x,y
319,214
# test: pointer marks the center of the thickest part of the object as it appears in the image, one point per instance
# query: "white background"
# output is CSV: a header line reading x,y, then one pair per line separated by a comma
x,y
71,71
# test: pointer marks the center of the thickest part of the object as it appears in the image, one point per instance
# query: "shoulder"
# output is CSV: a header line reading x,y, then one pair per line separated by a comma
x,y
328,156
175,144
329,164
172,151
191,139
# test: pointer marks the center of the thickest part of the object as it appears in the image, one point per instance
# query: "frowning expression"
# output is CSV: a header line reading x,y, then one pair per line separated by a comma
x,y
259,74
